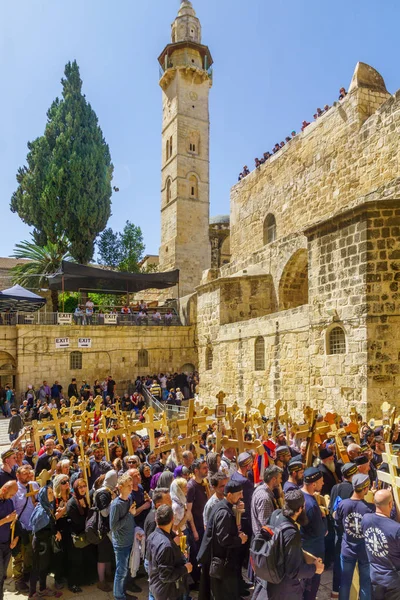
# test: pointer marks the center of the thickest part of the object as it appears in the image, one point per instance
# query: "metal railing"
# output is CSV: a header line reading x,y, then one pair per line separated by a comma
x,y
172,411
51,318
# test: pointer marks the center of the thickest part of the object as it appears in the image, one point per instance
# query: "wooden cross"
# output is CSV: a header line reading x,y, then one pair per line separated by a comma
x,y
338,434
84,464
354,421
391,478
239,442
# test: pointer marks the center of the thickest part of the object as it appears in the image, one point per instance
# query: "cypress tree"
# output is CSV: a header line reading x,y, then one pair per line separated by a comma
x,y
65,189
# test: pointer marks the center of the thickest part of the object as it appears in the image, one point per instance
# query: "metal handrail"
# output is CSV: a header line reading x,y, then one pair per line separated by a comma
x,y
52,318
171,410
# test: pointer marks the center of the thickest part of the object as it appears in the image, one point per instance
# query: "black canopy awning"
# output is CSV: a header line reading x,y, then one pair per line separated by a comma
x,y
74,277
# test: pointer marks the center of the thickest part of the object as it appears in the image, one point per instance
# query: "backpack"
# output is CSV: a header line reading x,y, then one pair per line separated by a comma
x,y
267,555
93,532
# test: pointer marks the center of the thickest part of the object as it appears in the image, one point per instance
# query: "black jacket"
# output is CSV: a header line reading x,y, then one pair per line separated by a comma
x,y
221,537
167,571
296,569
329,479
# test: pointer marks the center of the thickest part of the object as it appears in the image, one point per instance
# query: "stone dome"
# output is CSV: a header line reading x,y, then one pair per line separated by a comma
x,y
220,220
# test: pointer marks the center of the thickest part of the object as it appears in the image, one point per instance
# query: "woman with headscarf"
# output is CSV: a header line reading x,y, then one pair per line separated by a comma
x,y
105,553
83,557
182,471
165,479
145,474
179,503
62,494
44,529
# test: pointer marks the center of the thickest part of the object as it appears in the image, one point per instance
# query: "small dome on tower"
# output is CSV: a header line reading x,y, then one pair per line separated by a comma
x,y
186,9
186,27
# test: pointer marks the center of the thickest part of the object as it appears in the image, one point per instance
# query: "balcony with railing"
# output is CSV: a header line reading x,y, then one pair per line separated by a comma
x,y
135,319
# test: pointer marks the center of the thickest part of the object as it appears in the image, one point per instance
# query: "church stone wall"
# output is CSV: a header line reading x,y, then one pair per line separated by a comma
x,y
114,351
335,262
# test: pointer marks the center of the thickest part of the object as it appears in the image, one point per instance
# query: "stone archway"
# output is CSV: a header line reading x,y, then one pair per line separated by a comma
x,y
8,369
187,368
293,286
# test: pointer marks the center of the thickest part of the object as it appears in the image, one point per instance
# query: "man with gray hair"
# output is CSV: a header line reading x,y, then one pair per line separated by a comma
x,y
264,501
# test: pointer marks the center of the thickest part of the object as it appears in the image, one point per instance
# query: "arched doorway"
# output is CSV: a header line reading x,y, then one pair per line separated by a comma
x,y
187,368
8,369
293,286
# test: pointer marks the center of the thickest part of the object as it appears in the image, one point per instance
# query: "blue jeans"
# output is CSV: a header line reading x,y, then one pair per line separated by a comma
x,y
13,436
348,566
146,568
122,563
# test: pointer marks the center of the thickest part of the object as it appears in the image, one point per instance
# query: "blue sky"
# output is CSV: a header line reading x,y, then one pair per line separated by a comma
x,y
274,64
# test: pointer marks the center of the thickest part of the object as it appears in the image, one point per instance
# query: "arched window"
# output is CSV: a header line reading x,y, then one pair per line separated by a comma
x,y
193,186
75,360
143,358
209,359
269,229
259,354
168,189
193,142
336,341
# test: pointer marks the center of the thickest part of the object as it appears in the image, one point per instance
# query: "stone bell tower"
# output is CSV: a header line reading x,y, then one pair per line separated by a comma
x,y
186,79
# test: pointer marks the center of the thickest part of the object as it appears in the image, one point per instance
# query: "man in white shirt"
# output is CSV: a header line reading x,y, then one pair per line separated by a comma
x,y
89,311
228,462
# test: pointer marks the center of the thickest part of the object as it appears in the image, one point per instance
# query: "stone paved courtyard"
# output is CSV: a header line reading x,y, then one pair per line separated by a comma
x,y
93,593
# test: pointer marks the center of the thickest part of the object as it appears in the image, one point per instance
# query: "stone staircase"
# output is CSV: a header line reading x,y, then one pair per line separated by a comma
x,y
4,439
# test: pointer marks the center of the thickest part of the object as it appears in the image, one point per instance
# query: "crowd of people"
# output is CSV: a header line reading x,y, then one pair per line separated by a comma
x,y
138,314
189,519
267,155
38,401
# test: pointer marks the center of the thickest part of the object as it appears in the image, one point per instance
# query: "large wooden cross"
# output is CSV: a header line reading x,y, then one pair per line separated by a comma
x,y
239,442
337,434
392,477
42,428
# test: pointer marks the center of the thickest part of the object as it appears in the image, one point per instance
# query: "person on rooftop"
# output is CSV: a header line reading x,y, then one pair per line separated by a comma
x,y
342,93
304,125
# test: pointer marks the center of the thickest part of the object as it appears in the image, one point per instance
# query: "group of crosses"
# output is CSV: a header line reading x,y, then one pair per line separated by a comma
x,y
244,430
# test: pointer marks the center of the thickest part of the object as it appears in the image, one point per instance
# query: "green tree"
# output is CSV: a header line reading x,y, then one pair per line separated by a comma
x,y
65,189
43,261
122,251
109,248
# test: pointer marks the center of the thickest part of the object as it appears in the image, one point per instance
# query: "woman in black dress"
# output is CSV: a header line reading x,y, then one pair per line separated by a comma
x,y
82,560
105,554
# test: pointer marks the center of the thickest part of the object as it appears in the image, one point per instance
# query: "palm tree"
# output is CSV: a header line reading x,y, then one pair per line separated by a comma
x,y
43,261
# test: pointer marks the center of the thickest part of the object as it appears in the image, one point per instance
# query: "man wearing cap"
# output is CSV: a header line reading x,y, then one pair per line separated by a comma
x,y
245,462
222,541
296,568
282,458
382,543
280,439
362,463
340,491
296,472
349,516
8,471
264,502
313,534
